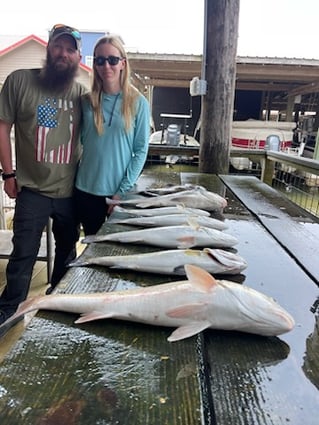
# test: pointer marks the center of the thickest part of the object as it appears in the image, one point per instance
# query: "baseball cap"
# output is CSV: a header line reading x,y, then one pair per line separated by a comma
x,y
61,29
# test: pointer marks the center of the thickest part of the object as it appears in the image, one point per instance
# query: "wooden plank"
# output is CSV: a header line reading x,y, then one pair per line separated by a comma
x,y
46,250
156,149
247,379
259,380
112,371
6,245
255,380
99,373
293,227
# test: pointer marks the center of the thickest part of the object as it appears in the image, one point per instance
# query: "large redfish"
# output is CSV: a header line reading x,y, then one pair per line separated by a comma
x,y
190,306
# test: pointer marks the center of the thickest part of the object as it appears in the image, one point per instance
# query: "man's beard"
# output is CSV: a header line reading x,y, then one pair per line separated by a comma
x,y
54,78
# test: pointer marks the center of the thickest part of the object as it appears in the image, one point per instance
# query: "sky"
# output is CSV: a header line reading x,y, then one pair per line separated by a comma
x,y
273,28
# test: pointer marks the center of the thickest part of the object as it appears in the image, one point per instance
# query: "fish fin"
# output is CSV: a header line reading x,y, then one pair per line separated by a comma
x,y
148,193
188,330
180,207
186,310
93,238
118,208
225,258
185,242
193,223
145,203
93,315
200,278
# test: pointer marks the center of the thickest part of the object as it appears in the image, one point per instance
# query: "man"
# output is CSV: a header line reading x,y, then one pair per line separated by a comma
x,y
43,105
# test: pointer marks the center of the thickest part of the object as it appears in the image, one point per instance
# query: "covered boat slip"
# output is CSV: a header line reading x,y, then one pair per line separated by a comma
x,y
114,372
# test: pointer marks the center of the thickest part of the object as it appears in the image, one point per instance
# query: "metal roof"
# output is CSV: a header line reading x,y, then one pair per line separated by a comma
x,y
277,78
270,74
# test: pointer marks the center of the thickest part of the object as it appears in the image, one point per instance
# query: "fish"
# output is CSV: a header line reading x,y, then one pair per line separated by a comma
x,y
149,212
172,262
172,220
190,306
171,189
202,199
182,237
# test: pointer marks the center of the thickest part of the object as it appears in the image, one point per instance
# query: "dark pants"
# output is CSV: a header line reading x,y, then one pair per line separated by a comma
x,y
31,215
91,211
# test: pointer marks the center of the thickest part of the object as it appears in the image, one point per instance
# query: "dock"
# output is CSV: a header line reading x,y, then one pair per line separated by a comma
x,y
116,372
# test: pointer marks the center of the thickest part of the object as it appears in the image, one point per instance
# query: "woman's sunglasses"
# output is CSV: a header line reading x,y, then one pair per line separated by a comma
x,y
112,60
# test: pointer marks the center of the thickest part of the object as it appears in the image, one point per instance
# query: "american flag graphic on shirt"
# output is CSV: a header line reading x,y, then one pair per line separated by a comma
x,y
48,114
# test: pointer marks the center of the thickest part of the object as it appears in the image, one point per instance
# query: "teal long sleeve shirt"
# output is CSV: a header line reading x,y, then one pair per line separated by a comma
x,y
112,162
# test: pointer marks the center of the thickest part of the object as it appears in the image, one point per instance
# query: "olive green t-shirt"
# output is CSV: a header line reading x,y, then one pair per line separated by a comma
x,y
47,129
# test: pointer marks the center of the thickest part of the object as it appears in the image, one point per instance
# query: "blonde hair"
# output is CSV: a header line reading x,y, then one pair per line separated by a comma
x,y
129,92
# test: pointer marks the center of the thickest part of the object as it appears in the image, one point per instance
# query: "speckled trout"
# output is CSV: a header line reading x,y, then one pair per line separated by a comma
x,y
181,237
190,306
172,261
172,189
173,220
149,212
198,198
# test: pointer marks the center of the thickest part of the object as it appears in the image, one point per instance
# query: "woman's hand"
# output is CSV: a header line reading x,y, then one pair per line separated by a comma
x,y
111,207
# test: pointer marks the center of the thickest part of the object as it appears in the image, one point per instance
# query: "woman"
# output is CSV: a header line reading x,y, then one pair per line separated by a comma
x,y
115,135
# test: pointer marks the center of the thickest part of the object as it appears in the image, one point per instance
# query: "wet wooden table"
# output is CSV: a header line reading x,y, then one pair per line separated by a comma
x,y
113,372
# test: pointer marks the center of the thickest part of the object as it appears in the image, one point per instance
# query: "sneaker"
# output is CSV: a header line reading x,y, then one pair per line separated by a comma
x,y
5,314
49,290
3,317
5,327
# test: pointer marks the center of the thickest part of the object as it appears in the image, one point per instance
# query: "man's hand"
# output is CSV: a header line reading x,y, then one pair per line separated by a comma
x,y
10,187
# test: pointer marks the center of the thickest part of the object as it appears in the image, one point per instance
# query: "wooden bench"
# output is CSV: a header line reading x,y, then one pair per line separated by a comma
x,y
45,253
46,248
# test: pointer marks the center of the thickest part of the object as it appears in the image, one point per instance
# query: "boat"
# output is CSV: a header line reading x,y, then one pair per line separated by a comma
x,y
172,136
249,134
252,134
257,134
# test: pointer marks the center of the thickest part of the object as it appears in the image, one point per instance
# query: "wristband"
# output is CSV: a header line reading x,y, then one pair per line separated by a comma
x,y
8,176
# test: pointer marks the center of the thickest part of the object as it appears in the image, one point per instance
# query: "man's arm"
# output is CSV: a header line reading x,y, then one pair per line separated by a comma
x,y
10,185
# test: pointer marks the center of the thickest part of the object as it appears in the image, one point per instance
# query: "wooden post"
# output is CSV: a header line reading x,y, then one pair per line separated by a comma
x,y
290,108
268,105
221,31
268,169
316,151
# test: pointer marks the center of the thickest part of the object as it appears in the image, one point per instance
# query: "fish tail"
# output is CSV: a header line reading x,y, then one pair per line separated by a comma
x,y
28,305
78,263
25,307
89,239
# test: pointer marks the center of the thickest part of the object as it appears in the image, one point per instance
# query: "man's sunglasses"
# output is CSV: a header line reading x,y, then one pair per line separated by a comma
x,y
112,60
65,29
